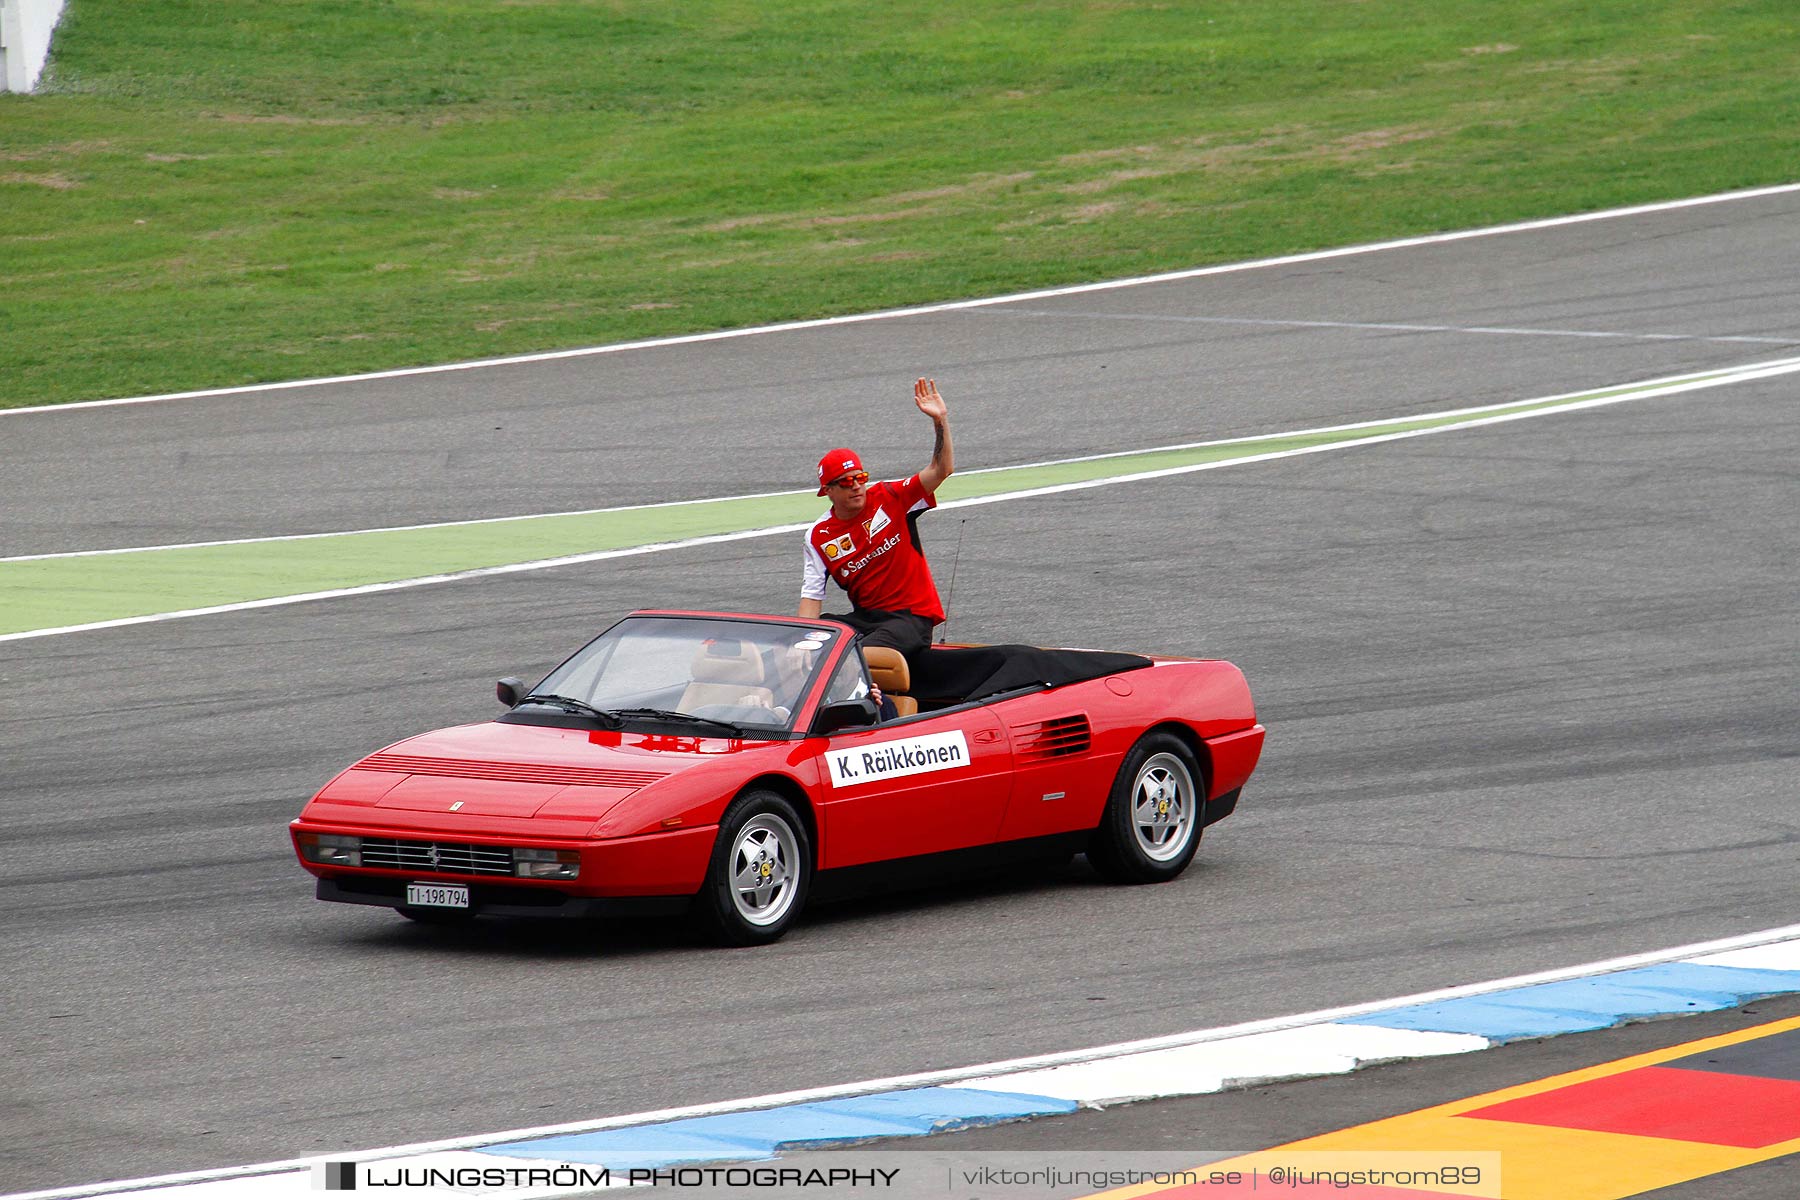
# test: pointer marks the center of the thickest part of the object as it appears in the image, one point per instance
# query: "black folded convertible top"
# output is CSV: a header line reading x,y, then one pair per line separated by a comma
x,y
945,673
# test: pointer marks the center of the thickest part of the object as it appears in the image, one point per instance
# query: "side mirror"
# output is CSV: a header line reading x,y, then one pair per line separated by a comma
x,y
510,691
844,715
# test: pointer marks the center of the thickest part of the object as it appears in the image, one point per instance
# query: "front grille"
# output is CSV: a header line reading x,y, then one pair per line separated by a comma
x,y
455,858
1053,738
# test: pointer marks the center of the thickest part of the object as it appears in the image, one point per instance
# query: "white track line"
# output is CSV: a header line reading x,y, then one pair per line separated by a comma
x,y
1663,385
1398,327
935,1078
1432,239
1673,385
469,522
370,589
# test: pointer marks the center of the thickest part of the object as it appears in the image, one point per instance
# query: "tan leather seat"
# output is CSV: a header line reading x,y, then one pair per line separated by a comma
x,y
726,671
889,672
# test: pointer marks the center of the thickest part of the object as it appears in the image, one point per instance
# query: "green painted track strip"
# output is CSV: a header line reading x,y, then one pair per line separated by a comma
x,y
69,592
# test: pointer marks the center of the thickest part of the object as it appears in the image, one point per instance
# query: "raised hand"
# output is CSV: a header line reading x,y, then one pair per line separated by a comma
x,y
925,395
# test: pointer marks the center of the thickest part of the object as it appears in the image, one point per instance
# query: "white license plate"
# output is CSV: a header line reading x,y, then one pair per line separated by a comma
x,y
436,895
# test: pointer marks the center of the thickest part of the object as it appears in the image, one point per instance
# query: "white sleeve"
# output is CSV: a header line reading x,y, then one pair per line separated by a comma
x,y
812,571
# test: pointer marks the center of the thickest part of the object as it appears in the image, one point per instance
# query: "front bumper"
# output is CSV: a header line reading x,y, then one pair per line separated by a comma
x,y
649,874
502,900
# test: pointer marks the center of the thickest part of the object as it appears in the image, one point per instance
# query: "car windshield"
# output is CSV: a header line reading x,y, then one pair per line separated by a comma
x,y
750,674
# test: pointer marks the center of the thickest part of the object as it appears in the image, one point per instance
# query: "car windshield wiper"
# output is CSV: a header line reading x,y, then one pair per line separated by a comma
x,y
669,714
568,704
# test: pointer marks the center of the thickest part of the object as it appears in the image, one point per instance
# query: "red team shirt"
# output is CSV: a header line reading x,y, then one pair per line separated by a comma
x,y
874,557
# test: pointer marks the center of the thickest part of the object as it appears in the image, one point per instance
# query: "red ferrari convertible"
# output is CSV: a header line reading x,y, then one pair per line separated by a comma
x,y
734,766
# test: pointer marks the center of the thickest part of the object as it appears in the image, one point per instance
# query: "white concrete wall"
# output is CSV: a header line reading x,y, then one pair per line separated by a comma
x,y
25,29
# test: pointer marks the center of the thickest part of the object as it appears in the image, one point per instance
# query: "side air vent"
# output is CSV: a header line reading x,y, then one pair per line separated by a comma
x,y
459,768
1053,738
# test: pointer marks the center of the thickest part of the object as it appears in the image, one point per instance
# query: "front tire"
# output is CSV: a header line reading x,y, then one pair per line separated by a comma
x,y
761,868
1151,826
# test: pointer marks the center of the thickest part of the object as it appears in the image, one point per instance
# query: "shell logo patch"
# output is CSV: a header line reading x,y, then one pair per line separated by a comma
x,y
838,547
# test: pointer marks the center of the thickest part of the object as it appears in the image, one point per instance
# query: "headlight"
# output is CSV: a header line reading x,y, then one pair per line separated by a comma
x,y
332,849
546,864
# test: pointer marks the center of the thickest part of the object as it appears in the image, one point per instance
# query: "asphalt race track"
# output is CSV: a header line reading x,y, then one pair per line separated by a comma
x,y
1529,688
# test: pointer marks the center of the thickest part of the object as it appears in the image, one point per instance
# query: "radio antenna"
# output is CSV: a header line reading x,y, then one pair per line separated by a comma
x,y
950,592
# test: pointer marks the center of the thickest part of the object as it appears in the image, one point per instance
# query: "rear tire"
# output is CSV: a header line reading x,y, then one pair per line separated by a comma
x,y
1151,826
760,871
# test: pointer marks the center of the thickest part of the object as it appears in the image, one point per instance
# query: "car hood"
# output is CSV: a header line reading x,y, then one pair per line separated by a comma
x,y
506,770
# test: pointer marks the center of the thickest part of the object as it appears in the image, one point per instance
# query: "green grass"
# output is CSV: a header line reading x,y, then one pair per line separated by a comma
x,y
215,192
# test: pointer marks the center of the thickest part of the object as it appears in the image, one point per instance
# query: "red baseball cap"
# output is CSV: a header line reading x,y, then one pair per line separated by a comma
x,y
835,463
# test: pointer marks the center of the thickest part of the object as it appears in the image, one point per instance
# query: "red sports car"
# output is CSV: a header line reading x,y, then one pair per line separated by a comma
x,y
733,765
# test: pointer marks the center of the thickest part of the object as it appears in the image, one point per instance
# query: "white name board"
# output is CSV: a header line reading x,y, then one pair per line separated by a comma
x,y
889,760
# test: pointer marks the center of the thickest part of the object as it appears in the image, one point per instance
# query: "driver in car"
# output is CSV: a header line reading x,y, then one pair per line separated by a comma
x,y
794,668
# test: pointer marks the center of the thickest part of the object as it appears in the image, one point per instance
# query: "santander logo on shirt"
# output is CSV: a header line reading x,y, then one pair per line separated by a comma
x,y
856,564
